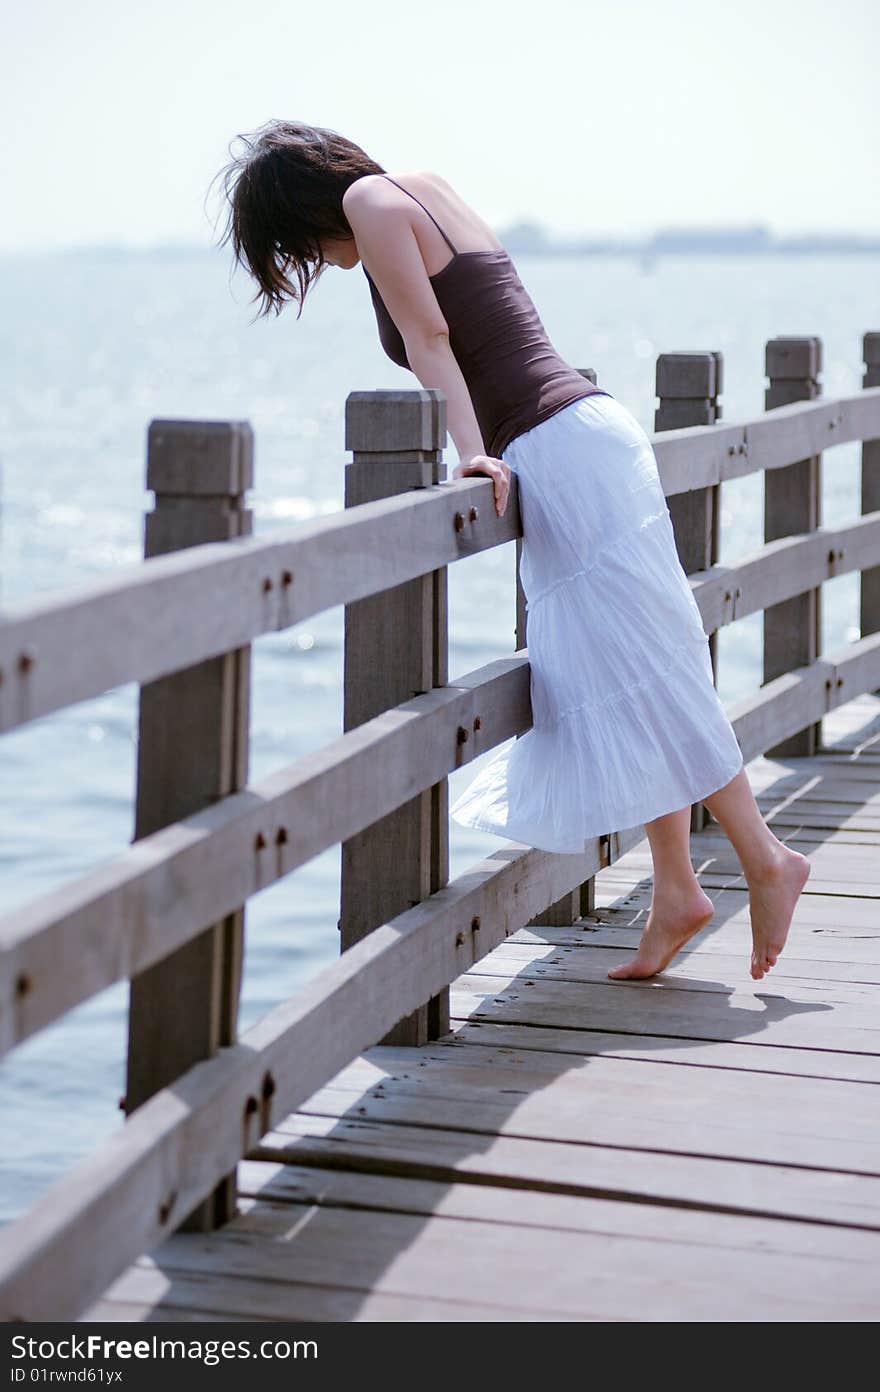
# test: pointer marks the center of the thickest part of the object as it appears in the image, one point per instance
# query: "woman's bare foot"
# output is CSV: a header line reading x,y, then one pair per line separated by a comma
x,y
773,893
666,932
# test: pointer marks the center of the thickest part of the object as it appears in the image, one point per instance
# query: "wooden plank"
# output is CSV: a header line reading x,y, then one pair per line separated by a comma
x,y
855,668
713,848
311,1149
92,637
696,457
144,1311
869,585
793,504
796,1020
528,1050
814,954
803,428
334,1188
760,1117
766,716
827,881
855,726
688,386
782,568
575,1272
396,647
857,867
817,827
193,733
802,1063
853,919
767,773
474,1052
152,1296
704,970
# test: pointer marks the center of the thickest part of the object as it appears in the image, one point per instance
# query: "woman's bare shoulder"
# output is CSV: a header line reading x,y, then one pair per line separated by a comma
x,y
364,187
376,191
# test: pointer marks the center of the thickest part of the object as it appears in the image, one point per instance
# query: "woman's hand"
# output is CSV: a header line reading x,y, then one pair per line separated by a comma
x,y
494,469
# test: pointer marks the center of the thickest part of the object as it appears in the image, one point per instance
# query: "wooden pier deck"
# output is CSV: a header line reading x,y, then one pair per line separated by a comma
x,y
697,1147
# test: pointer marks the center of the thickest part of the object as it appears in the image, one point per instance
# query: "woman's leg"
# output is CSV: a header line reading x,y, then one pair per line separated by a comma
x,y
775,874
679,907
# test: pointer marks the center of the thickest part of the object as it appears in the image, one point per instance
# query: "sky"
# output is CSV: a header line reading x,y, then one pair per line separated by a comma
x,y
590,118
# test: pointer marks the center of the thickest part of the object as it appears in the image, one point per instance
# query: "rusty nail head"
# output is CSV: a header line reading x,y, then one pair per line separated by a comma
x,y
459,521
475,924
462,735
287,577
827,683
268,1085
260,841
123,1102
831,555
281,836
738,592
731,449
250,1106
840,681
23,984
473,514
477,722
166,1207
459,940
26,660
727,596
267,585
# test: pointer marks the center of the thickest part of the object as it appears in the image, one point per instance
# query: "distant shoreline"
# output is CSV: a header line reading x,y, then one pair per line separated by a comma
x,y
528,239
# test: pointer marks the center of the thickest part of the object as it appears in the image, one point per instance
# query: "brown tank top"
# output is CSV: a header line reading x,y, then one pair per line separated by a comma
x,y
513,373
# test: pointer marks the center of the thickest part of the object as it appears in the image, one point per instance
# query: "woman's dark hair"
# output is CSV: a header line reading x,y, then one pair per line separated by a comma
x,y
284,193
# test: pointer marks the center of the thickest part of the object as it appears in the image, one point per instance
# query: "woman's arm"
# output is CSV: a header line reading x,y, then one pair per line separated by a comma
x,y
388,248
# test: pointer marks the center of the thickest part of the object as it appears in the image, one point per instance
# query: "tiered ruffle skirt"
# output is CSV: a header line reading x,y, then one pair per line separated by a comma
x,y
627,723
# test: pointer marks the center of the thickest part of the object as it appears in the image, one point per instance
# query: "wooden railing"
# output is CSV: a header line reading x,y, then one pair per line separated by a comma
x,y
168,912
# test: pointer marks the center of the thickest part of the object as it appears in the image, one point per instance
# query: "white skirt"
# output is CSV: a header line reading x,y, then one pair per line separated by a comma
x,y
627,723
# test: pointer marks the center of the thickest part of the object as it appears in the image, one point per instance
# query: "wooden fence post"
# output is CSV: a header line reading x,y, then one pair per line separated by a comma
x,y
793,504
192,750
869,599
582,899
396,647
688,386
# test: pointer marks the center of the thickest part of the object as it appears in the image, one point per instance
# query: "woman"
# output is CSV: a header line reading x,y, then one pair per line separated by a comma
x,y
627,725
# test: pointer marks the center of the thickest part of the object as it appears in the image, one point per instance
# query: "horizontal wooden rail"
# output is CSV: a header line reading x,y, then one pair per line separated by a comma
x,y
144,621
780,707
121,1201
62,948
700,456
783,568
